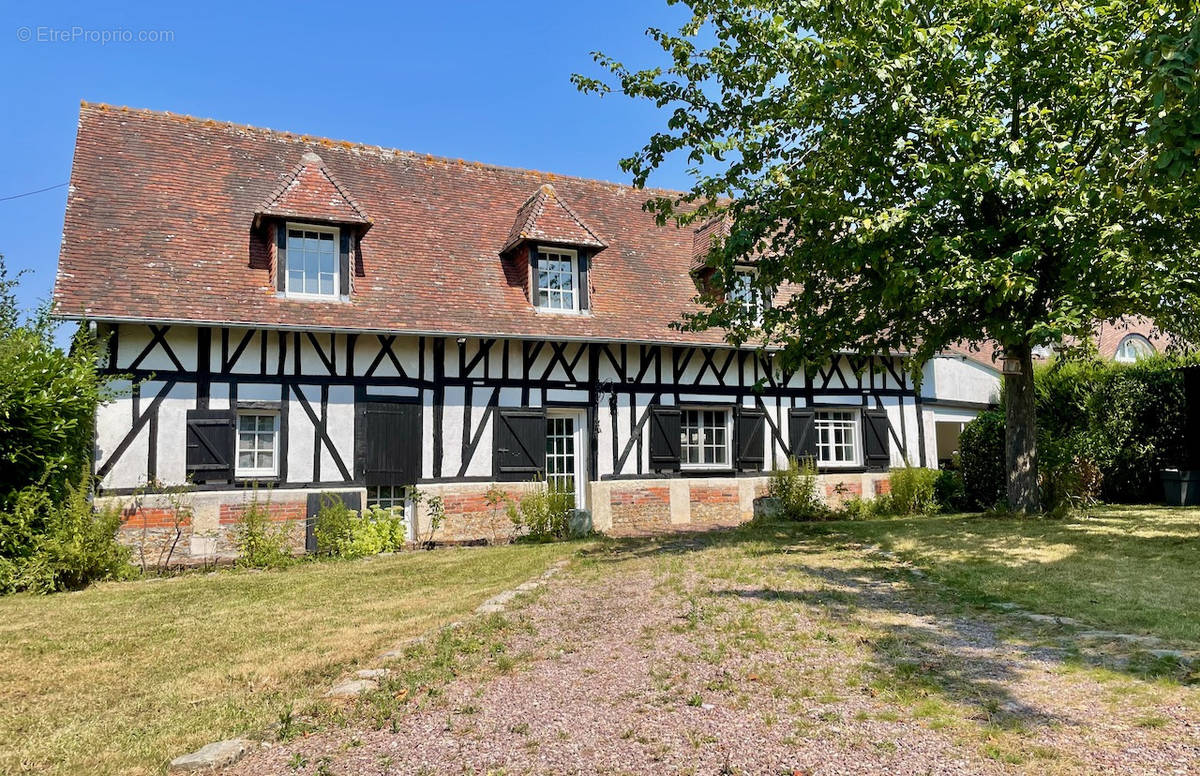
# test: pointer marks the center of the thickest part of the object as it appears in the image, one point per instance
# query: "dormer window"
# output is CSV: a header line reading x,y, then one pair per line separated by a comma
x,y
745,295
557,246
557,276
312,261
317,226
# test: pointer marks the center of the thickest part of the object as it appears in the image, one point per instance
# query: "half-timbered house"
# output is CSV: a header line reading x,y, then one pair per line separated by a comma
x,y
298,316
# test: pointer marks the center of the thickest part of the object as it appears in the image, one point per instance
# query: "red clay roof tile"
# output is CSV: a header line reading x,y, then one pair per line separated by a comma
x,y
310,191
161,210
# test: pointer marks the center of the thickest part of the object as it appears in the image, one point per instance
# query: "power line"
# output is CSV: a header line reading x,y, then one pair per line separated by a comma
x,y
31,193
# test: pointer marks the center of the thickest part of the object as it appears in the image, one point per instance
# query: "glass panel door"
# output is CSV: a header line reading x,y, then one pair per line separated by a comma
x,y
564,462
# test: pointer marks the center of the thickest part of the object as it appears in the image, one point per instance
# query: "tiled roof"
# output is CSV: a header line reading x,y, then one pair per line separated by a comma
x,y
310,191
160,214
545,217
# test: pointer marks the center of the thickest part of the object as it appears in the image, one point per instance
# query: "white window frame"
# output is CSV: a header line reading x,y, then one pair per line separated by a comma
x,y
756,303
337,260
254,471
702,408
1130,339
568,253
856,436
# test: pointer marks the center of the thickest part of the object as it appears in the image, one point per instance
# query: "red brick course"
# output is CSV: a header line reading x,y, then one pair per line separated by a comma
x,y
279,512
151,517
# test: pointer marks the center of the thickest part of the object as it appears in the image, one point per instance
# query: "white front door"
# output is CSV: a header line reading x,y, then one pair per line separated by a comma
x,y
566,456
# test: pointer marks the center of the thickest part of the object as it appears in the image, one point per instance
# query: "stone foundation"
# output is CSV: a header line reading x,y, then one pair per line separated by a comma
x,y
201,526
638,507
204,529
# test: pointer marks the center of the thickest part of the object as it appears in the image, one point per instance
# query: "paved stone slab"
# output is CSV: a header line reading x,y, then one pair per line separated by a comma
x,y
211,756
1049,619
352,688
371,673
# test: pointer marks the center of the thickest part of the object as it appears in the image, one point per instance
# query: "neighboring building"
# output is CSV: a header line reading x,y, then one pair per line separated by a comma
x,y
303,316
963,381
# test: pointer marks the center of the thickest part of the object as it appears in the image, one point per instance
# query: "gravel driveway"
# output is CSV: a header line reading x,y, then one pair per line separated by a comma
x,y
718,657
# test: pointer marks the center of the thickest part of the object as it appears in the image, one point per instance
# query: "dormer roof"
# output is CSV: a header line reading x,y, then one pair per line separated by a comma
x,y
544,217
310,192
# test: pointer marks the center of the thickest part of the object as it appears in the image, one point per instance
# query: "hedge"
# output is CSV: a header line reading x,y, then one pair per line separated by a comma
x,y
1105,430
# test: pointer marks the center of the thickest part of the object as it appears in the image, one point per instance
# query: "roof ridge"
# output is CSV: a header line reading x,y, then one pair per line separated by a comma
x,y
350,145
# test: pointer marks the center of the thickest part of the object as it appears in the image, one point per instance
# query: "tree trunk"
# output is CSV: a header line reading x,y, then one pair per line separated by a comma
x,y
1020,436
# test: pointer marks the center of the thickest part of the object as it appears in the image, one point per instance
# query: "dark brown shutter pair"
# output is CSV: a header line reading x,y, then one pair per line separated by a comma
x,y
876,429
749,436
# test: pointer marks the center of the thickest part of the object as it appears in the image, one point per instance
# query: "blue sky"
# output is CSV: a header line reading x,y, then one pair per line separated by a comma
x,y
486,81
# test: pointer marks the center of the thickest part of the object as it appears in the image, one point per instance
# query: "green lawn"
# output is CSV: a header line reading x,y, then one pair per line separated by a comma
x,y
1128,569
123,676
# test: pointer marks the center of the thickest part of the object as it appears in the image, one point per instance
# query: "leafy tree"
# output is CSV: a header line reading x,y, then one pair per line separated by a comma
x,y
923,172
48,399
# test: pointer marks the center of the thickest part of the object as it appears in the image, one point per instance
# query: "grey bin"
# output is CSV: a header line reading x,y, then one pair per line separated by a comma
x,y
1181,488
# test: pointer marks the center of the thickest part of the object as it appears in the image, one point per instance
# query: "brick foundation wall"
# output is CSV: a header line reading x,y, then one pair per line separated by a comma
x,y
641,509
207,525
715,504
470,516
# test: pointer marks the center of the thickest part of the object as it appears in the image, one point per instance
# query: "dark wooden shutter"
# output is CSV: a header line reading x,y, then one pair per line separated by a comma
x,y
876,430
346,237
665,437
210,445
583,281
281,256
315,502
389,440
749,429
533,275
519,441
802,433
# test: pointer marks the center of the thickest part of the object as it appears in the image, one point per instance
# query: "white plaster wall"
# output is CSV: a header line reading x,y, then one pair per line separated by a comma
x,y
113,421
954,378
452,427
301,434
480,464
172,434
340,427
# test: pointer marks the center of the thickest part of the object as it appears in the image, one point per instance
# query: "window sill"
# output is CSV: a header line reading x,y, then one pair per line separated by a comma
x,y
552,311
314,298
247,478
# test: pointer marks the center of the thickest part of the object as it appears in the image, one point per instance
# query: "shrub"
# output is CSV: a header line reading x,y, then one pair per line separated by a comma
x,y
48,545
981,452
949,491
795,488
48,398
260,541
544,513
913,492
341,532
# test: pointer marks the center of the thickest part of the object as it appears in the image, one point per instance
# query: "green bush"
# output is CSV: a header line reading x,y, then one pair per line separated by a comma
x,y
912,492
544,513
343,533
981,454
949,490
48,545
795,488
260,541
48,399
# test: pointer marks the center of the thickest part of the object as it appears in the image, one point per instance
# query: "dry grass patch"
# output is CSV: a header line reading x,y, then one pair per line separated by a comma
x,y
121,677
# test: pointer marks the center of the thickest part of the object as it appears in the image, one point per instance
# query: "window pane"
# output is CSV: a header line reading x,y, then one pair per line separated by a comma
x,y
246,460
